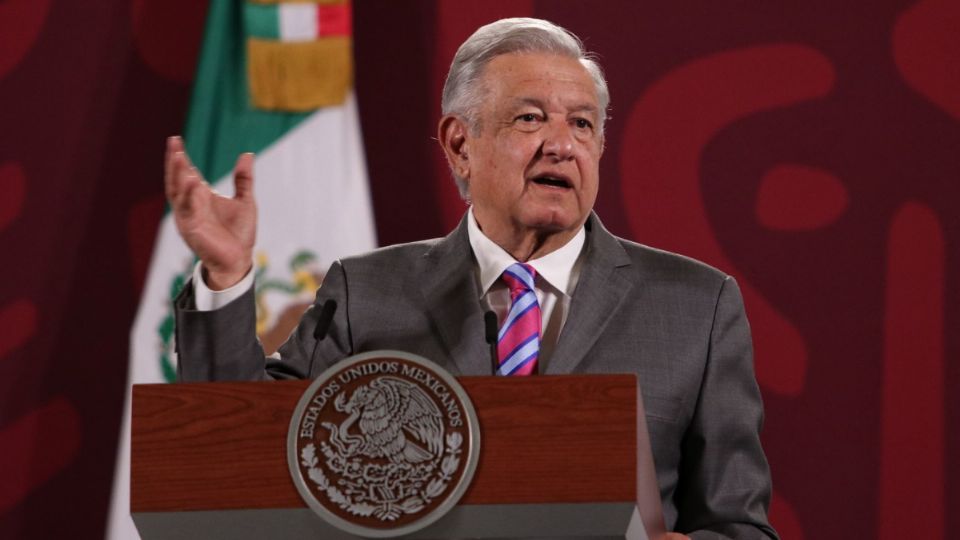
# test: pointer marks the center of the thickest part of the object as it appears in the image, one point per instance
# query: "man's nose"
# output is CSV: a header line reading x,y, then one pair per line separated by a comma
x,y
558,141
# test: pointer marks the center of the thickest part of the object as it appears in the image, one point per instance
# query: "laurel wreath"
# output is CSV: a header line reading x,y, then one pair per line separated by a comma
x,y
386,511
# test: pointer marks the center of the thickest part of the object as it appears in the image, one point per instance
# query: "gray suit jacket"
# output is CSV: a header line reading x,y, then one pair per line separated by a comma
x,y
677,323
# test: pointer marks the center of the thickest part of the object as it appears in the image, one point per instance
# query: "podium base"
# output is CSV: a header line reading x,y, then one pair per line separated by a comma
x,y
594,521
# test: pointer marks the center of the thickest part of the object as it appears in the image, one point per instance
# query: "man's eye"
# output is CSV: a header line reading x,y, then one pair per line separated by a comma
x,y
529,117
583,123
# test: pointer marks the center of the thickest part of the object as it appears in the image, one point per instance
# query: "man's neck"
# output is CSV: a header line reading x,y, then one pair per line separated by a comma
x,y
527,244
533,245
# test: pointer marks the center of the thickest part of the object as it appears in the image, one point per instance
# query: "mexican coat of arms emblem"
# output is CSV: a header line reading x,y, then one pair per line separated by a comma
x,y
383,444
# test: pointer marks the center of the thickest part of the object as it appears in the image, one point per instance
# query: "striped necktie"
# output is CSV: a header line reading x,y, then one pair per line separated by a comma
x,y
518,343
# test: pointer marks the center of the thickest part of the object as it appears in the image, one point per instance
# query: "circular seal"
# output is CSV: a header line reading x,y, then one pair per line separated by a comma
x,y
383,444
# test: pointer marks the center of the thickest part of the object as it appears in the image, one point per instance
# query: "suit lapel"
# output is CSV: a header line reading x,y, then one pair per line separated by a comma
x,y
452,300
600,292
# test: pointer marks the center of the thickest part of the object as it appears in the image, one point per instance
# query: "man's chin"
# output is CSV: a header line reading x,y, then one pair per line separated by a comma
x,y
554,221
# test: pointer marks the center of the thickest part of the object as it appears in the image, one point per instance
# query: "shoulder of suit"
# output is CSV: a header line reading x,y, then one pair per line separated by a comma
x,y
660,263
397,254
649,262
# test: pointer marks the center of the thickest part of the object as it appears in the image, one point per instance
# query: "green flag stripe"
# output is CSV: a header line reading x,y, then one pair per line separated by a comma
x,y
221,122
262,20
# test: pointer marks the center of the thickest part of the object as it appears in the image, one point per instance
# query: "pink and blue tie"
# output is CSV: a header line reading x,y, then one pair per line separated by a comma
x,y
518,343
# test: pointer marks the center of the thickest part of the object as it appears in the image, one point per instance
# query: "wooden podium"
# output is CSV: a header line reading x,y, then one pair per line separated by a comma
x,y
561,457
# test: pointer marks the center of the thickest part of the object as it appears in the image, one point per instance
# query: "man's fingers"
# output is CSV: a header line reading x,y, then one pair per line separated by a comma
x,y
177,165
187,184
186,156
174,145
199,195
190,186
243,177
194,198
181,176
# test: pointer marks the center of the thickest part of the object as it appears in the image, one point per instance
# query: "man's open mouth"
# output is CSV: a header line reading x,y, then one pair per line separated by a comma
x,y
554,181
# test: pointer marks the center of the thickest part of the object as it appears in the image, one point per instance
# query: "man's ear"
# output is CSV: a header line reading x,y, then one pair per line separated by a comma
x,y
452,134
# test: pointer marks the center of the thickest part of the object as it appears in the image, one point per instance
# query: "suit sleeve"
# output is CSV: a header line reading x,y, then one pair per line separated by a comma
x,y
222,345
725,485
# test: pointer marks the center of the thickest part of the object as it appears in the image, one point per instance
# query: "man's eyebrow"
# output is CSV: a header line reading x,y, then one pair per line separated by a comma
x,y
535,102
585,107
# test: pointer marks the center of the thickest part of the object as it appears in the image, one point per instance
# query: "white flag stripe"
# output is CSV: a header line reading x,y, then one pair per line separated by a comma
x,y
312,194
312,190
298,21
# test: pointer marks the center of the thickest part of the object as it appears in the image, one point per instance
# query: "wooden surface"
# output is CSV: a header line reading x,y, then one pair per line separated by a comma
x,y
217,446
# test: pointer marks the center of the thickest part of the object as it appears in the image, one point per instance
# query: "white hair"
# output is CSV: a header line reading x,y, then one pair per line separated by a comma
x,y
462,94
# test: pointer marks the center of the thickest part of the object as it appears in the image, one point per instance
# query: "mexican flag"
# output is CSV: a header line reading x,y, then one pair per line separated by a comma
x,y
275,79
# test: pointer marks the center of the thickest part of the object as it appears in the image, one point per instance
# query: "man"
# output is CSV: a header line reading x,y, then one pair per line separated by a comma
x,y
522,130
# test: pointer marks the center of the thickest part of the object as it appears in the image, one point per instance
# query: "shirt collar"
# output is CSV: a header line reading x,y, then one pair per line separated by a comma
x,y
556,267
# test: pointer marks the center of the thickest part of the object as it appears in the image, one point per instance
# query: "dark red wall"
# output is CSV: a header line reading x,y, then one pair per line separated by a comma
x,y
807,147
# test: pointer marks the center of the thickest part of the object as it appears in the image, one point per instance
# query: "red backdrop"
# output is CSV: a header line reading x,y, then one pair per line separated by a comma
x,y
807,147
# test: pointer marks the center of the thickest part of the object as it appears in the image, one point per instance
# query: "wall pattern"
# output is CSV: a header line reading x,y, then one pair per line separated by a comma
x,y
807,148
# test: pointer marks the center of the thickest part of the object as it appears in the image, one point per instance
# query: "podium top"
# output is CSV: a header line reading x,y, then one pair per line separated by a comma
x,y
222,446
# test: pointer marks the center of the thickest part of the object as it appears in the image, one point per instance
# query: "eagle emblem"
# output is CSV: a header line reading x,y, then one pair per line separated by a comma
x,y
384,442
397,421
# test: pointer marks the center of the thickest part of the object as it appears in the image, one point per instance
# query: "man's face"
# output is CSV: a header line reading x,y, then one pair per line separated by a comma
x,y
534,164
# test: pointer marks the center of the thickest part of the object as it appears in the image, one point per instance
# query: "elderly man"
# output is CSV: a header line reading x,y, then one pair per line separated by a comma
x,y
522,130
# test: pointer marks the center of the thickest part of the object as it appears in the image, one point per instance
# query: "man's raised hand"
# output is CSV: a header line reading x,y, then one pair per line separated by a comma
x,y
220,230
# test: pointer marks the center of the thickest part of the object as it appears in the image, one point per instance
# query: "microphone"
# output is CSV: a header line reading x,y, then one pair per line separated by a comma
x,y
324,320
490,324
286,371
490,321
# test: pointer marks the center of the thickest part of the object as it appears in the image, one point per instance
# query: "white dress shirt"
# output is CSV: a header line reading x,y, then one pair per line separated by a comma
x,y
207,299
557,275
